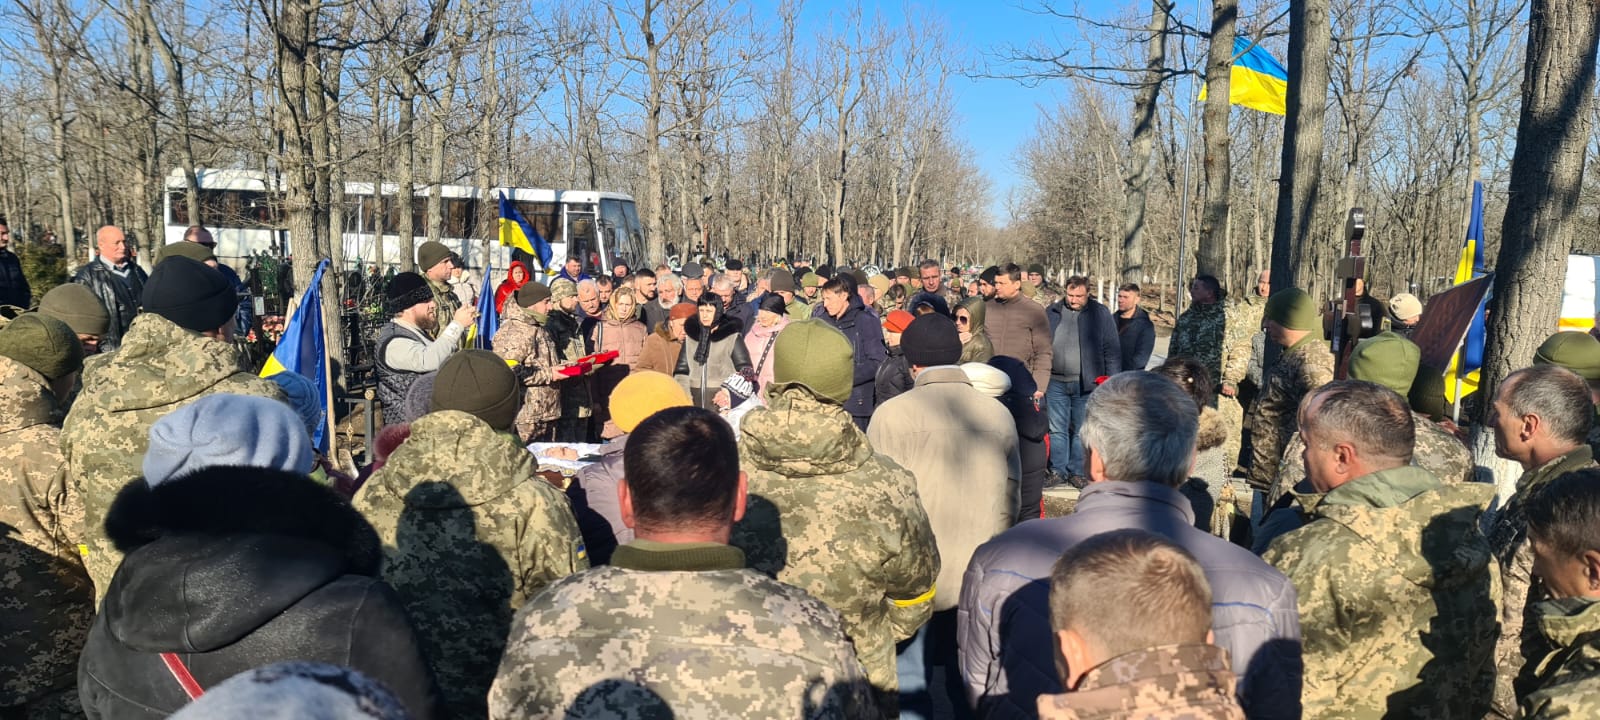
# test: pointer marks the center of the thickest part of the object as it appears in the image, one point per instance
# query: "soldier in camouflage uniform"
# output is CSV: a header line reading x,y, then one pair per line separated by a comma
x,y
677,626
567,333
434,262
1398,589
522,339
1292,323
1580,353
470,533
1238,348
1556,402
168,359
1392,361
49,600
1564,681
827,514
1201,330
1149,659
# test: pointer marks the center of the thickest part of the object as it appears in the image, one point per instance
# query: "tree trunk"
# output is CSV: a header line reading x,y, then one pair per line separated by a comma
x,y
436,148
406,195
1141,150
1212,258
1546,180
295,30
182,113
1299,181
655,182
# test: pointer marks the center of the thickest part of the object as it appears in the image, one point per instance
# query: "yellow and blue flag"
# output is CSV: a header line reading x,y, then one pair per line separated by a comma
x,y
303,349
1257,81
1468,361
517,232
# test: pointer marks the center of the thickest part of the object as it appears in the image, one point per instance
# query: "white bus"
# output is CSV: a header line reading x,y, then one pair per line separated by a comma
x,y
243,211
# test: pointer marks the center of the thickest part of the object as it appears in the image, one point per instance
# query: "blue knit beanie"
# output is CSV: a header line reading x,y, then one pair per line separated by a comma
x,y
302,396
227,430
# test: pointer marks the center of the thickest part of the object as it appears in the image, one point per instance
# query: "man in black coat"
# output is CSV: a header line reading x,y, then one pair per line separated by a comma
x,y
14,288
842,308
117,280
1135,333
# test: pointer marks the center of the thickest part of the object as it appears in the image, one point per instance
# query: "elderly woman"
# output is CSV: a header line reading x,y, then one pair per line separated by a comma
x,y
771,318
662,348
714,351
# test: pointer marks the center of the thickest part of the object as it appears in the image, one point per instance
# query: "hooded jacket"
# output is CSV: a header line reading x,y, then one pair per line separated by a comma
x,y
1398,598
510,285
469,534
160,368
977,348
828,515
234,568
1007,655
865,333
41,517
709,356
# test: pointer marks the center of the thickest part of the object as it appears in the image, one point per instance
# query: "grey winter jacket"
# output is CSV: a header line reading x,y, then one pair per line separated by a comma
x,y
1007,658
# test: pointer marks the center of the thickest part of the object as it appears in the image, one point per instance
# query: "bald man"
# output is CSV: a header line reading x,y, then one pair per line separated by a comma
x,y
116,280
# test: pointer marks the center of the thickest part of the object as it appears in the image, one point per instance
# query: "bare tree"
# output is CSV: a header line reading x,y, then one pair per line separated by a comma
x,y
1213,254
1300,180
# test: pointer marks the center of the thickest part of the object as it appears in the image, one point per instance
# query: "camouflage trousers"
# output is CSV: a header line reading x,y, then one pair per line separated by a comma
x,y
1233,419
60,704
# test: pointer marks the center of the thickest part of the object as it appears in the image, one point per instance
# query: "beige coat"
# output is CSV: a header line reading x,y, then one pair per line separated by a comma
x,y
962,447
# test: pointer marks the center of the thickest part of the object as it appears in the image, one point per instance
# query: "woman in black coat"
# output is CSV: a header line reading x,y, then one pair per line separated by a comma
x,y
231,568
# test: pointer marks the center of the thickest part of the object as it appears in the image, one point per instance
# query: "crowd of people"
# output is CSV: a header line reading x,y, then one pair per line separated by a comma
x,y
722,491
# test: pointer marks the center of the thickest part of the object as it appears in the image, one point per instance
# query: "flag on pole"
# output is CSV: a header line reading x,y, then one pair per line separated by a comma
x,y
482,334
303,349
517,232
1468,361
1257,80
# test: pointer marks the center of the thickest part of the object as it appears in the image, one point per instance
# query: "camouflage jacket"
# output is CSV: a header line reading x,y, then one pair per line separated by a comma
x,y
1398,598
46,600
1508,536
828,515
678,631
521,339
566,331
1200,333
1274,417
1243,322
445,305
1174,682
1566,682
469,534
160,368
1436,450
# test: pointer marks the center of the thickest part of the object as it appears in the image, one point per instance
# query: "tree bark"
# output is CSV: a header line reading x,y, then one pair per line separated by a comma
x,y
1300,179
1546,180
1141,150
1212,258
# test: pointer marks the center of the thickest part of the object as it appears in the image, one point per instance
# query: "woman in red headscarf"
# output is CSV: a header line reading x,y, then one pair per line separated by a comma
x,y
516,277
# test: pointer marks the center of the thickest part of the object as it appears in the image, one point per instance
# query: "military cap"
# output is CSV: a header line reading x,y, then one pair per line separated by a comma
x,y
1036,268
530,294
814,354
430,254
813,280
563,289
781,281
1294,309
1575,351
77,306
1387,359
44,344
880,283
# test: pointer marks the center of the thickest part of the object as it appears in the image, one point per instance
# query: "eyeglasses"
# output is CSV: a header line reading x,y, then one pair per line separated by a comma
x,y
962,320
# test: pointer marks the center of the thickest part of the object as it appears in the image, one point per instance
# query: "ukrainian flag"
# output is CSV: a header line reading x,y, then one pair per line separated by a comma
x,y
481,335
303,349
1468,361
517,232
1257,80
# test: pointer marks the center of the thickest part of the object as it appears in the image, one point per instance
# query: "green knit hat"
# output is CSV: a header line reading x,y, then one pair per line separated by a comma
x,y
431,253
817,356
1294,309
44,344
1575,351
1427,393
1387,359
183,248
479,383
77,306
